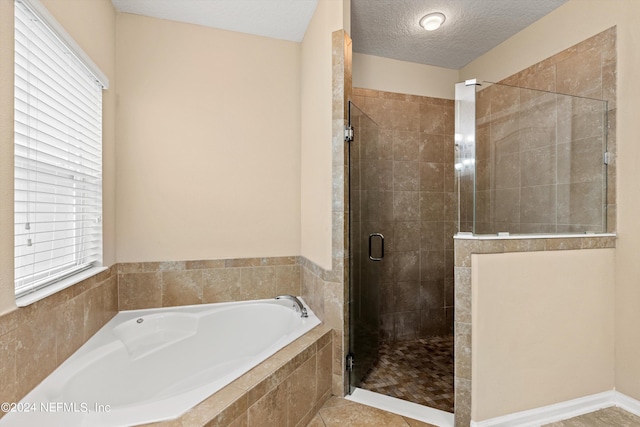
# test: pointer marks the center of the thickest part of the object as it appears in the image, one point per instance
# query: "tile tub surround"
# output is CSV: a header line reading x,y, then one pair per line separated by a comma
x,y
412,202
465,246
36,339
287,389
326,299
165,284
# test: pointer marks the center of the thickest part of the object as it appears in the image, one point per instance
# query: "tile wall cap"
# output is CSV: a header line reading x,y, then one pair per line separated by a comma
x,y
471,236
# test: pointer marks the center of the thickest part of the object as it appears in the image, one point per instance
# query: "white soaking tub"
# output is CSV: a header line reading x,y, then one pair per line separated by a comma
x,y
152,365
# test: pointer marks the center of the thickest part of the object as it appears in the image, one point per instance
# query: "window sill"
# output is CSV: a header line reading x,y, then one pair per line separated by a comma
x,y
32,297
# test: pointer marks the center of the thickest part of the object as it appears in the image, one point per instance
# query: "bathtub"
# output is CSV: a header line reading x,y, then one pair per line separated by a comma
x,y
152,365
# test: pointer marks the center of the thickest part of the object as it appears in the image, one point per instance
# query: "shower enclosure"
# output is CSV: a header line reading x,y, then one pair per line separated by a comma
x,y
402,196
366,245
530,161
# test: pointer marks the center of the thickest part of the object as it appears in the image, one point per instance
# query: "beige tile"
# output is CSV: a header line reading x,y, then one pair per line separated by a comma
x,y
204,264
8,384
463,351
95,315
219,409
432,119
356,415
338,353
333,305
579,74
463,402
432,148
35,351
432,206
70,323
324,370
406,146
604,417
538,204
316,421
270,409
139,290
301,391
221,285
416,423
288,280
406,175
182,287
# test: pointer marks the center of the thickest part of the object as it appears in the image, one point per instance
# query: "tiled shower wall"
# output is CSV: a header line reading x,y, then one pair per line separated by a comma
x,y
415,205
539,155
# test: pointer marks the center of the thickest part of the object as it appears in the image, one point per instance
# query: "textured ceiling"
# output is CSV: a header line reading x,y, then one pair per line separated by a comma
x,y
389,28
386,28
280,19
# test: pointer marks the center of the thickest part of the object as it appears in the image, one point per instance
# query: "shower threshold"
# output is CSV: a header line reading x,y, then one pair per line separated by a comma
x,y
402,407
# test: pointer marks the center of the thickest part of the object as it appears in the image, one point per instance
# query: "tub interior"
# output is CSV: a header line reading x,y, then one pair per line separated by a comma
x,y
153,365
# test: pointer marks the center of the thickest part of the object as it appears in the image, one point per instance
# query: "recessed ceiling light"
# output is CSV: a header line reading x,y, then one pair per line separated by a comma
x,y
432,21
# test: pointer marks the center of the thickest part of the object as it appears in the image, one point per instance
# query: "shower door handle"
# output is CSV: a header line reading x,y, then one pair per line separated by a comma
x,y
381,237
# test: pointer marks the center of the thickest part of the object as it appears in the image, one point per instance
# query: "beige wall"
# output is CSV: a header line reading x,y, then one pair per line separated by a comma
x,y
390,75
92,26
316,145
6,156
208,143
569,24
543,329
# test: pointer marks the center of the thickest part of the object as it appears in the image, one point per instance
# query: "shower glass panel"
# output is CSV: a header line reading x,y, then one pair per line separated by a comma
x,y
366,246
529,161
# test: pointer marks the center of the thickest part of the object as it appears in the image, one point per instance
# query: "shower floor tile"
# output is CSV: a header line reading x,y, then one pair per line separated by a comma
x,y
419,371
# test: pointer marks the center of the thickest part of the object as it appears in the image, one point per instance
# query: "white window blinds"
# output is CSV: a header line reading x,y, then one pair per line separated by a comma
x,y
58,156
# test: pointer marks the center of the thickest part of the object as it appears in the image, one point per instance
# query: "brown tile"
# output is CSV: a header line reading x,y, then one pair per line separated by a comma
x,y
258,282
8,379
406,176
406,146
221,285
432,119
419,371
270,410
416,423
301,391
356,415
288,280
182,288
432,148
538,204
324,369
70,323
139,290
35,351
204,264
95,315
432,177
406,205
579,74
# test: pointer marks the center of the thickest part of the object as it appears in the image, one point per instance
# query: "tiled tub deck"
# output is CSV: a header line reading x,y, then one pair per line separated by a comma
x,y
287,389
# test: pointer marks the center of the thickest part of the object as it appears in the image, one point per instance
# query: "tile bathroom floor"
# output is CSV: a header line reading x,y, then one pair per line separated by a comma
x,y
419,371
338,412
609,417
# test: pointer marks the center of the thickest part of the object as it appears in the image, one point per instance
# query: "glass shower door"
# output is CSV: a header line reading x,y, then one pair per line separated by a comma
x,y
366,246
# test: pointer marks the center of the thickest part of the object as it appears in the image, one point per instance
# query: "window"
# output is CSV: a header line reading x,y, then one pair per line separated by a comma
x,y
58,153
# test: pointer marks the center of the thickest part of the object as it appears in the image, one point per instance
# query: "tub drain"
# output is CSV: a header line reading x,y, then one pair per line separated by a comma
x,y
140,320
